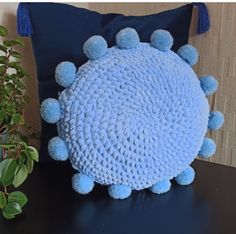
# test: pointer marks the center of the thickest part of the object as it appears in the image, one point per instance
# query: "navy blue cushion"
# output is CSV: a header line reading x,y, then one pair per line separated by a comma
x,y
59,31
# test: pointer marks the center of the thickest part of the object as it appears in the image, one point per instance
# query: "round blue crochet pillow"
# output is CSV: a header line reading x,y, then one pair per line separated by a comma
x,y
134,116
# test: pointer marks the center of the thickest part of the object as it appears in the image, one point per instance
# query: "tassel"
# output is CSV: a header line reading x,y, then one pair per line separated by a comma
x,y
203,17
24,26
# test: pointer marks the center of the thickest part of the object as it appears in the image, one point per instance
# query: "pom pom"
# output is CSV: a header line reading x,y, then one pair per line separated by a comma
x,y
118,191
57,149
162,40
50,110
208,148
216,120
95,47
186,177
161,187
65,74
127,38
189,54
82,183
209,84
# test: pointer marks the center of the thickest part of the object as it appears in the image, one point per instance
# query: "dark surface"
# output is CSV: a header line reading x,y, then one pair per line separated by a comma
x,y
60,30
206,206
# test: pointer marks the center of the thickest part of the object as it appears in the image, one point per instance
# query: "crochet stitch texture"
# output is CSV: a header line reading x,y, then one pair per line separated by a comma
x,y
134,116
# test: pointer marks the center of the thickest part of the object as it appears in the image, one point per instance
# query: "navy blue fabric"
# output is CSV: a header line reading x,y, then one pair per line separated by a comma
x,y
59,31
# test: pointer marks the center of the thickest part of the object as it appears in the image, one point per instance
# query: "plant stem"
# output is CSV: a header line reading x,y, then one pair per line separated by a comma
x,y
5,190
6,146
1,129
3,154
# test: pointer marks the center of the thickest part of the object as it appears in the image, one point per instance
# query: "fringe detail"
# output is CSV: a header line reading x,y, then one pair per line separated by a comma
x,y
203,17
24,26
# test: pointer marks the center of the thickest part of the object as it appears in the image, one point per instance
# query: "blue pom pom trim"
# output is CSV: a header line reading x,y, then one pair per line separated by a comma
x,y
57,149
95,47
162,40
50,110
208,84
65,74
186,177
127,38
82,183
216,120
189,54
208,148
161,187
118,191
95,108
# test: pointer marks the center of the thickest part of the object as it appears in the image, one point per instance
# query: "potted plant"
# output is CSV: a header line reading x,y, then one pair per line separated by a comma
x,y
16,156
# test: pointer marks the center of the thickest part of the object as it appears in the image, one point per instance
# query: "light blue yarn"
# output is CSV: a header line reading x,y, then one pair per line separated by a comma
x,y
162,40
208,148
82,184
65,74
216,120
186,177
134,117
127,38
189,54
161,187
50,110
57,149
95,47
209,84
118,191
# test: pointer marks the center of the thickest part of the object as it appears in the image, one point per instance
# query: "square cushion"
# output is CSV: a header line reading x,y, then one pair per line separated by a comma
x,y
60,30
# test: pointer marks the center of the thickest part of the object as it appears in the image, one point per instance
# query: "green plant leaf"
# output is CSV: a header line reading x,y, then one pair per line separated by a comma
x,y
18,197
33,153
3,31
20,176
23,144
7,43
2,48
13,77
15,54
3,60
19,41
14,65
2,70
7,216
22,120
10,43
16,118
30,165
22,159
9,87
7,169
3,165
20,83
3,200
23,137
12,209
18,167
2,114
